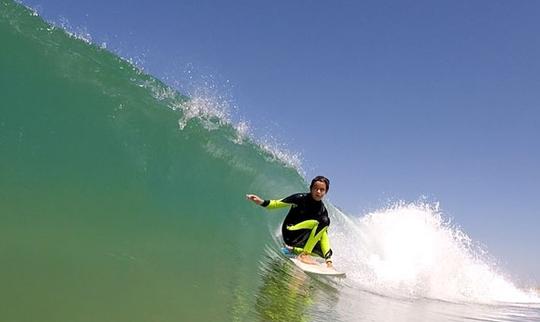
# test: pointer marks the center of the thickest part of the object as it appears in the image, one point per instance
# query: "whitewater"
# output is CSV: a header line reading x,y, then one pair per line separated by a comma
x,y
122,199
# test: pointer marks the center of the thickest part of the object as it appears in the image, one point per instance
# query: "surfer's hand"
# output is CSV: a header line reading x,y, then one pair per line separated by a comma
x,y
256,199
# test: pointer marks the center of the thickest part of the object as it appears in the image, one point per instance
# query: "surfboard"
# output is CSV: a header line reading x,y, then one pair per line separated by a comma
x,y
317,268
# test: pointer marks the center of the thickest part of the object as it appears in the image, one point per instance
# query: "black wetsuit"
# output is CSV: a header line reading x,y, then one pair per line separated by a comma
x,y
304,208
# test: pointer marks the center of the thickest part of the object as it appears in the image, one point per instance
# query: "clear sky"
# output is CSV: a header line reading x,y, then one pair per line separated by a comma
x,y
392,100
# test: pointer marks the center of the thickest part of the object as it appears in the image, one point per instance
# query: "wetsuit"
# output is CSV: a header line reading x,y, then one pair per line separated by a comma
x,y
305,227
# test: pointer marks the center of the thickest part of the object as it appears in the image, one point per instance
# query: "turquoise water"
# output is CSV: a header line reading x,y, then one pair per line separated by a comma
x,y
109,211
117,204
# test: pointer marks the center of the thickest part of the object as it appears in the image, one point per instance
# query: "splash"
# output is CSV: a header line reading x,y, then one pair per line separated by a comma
x,y
213,110
411,250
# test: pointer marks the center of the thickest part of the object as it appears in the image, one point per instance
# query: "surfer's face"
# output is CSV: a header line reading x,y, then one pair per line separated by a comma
x,y
318,190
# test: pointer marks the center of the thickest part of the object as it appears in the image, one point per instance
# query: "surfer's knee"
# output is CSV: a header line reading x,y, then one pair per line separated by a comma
x,y
306,224
324,222
322,225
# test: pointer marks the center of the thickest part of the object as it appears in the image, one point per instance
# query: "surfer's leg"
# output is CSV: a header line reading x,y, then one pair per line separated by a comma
x,y
326,250
293,249
325,245
314,235
297,250
307,224
322,249
314,238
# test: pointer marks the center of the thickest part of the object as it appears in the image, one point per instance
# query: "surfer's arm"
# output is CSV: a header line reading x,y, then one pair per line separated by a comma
x,y
270,204
282,203
274,204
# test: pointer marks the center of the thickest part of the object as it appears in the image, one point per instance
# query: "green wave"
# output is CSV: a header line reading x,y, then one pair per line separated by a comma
x,y
110,211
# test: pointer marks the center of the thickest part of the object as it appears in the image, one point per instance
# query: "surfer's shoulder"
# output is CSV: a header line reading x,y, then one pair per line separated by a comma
x,y
295,198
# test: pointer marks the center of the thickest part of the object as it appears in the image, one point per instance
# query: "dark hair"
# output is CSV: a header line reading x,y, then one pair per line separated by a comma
x,y
321,179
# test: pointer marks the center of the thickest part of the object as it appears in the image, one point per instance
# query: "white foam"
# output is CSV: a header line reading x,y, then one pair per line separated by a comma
x,y
213,107
80,33
212,111
410,250
280,152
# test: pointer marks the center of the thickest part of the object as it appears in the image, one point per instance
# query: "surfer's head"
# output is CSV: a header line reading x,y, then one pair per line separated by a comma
x,y
319,187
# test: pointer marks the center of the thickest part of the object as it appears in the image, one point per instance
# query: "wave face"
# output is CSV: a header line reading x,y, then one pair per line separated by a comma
x,y
123,200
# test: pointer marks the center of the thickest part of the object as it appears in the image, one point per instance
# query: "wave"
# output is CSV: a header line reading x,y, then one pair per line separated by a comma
x,y
412,250
116,188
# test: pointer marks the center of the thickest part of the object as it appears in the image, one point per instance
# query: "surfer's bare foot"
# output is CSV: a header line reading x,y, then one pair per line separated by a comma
x,y
305,258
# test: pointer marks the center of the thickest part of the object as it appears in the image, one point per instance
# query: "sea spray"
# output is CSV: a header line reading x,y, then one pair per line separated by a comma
x,y
411,250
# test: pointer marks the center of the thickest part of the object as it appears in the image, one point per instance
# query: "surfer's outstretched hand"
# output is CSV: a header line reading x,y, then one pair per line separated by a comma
x,y
256,199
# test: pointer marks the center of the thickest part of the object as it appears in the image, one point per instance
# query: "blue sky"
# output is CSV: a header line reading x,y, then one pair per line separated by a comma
x,y
393,100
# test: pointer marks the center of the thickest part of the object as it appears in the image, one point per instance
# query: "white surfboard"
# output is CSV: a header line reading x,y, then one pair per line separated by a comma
x,y
316,268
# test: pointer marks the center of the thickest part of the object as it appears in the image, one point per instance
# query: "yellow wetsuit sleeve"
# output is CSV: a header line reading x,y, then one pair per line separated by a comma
x,y
274,204
291,200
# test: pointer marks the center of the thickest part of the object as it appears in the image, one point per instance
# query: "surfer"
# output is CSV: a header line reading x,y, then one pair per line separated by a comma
x,y
305,228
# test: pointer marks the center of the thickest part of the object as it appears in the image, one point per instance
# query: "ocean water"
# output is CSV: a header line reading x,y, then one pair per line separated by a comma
x,y
123,200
